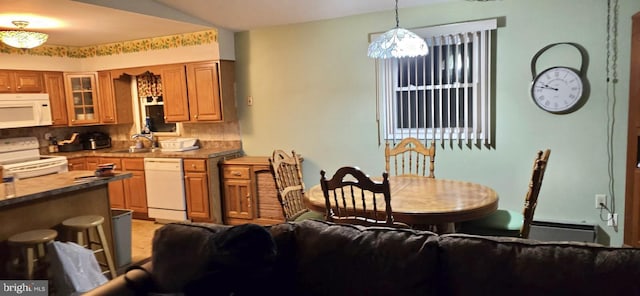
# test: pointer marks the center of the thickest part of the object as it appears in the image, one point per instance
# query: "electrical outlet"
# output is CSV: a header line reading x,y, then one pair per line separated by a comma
x,y
600,199
612,220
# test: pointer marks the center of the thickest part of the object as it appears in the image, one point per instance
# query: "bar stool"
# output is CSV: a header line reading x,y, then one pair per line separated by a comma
x,y
31,245
82,226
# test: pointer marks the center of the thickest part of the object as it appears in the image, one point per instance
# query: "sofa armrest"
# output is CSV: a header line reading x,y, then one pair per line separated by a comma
x,y
136,280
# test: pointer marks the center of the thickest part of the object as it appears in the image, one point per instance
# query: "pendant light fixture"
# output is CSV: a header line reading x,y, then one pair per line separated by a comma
x,y
397,43
21,38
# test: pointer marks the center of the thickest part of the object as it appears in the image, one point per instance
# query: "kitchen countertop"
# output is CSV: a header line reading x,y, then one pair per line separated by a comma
x,y
109,152
46,186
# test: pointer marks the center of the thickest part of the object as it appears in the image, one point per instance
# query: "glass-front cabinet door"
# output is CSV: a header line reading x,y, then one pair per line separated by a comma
x,y
82,99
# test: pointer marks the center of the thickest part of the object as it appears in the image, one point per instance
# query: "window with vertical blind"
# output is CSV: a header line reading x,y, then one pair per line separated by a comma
x,y
444,95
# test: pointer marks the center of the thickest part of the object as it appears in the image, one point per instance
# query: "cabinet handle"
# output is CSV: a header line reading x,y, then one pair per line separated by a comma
x,y
193,166
196,116
19,86
248,201
235,173
8,87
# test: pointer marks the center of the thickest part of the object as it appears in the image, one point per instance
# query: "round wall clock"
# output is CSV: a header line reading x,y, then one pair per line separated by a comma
x,y
559,89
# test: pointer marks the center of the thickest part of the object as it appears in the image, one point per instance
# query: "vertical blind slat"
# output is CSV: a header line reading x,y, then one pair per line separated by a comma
x,y
441,126
424,96
486,129
416,95
465,68
483,87
479,106
457,65
433,90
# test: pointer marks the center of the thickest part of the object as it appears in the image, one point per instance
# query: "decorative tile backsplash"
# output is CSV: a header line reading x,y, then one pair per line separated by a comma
x,y
211,135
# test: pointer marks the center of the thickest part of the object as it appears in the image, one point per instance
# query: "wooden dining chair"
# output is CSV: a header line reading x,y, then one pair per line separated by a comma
x,y
287,174
351,197
511,223
409,157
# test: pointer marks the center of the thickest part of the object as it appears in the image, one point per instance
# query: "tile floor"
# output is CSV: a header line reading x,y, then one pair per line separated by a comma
x,y
141,237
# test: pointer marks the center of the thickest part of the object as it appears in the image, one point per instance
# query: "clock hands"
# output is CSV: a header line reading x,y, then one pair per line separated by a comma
x,y
546,86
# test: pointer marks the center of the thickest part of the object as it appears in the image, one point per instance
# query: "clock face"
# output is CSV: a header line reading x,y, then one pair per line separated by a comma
x,y
557,89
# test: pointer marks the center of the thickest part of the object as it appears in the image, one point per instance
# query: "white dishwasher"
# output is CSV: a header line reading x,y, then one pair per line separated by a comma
x,y
165,189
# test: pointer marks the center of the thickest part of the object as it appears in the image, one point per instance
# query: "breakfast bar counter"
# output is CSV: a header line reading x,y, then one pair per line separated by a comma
x,y
45,187
44,202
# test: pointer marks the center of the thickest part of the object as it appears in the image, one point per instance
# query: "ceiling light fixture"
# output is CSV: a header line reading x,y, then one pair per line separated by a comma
x,y
397,43
21,38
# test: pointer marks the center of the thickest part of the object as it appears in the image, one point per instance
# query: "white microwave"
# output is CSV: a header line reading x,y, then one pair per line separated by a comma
x,y
24,110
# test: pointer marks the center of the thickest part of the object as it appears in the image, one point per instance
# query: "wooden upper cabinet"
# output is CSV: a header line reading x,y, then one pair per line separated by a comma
x,y
6,81
82,98
174,93
204,91
54,86
116,100
17,81
107,98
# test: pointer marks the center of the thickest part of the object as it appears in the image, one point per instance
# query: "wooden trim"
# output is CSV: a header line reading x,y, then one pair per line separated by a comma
x,y
632,188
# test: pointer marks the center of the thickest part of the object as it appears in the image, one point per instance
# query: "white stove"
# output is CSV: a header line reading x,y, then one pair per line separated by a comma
x,y
21,157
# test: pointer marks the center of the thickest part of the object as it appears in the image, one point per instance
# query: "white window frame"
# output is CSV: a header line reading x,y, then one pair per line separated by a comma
x,y
472,121
140,110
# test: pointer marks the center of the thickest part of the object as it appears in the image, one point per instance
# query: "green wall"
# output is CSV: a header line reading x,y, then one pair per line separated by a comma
x,y
313,89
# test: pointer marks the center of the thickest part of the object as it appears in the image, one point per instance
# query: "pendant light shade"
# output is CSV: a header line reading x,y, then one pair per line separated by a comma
x,y
397,43
21,38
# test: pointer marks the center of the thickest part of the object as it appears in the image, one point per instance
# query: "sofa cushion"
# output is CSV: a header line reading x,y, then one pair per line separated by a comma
x,y
323,258
210,259
475,265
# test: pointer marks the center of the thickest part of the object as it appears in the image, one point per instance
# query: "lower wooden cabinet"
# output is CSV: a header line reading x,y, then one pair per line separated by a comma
x,y
237,199
116,189
250,194
135,191
129,193
196,186
77,164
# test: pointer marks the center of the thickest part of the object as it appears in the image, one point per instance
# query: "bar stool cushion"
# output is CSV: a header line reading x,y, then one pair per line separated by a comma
x,y
81,222
31,237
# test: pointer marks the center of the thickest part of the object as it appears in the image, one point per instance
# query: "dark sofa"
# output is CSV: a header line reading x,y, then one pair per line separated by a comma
x,y
321,258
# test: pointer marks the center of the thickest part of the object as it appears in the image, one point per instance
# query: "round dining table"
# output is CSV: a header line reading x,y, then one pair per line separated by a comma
x,y
417,200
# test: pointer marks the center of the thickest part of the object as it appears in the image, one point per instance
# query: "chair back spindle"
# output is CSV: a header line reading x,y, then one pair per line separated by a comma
x,y
287,174
531,199
352,197
409,157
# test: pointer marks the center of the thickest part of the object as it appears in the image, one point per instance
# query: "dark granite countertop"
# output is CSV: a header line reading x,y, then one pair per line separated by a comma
x,y
46,186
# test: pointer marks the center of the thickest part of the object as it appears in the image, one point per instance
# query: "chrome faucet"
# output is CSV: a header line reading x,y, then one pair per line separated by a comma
x,y
149,136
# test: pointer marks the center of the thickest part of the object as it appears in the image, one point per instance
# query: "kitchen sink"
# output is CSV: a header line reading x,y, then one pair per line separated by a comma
x,y
133,150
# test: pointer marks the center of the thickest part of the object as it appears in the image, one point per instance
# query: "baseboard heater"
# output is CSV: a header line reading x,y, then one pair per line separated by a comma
x,y
563,231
